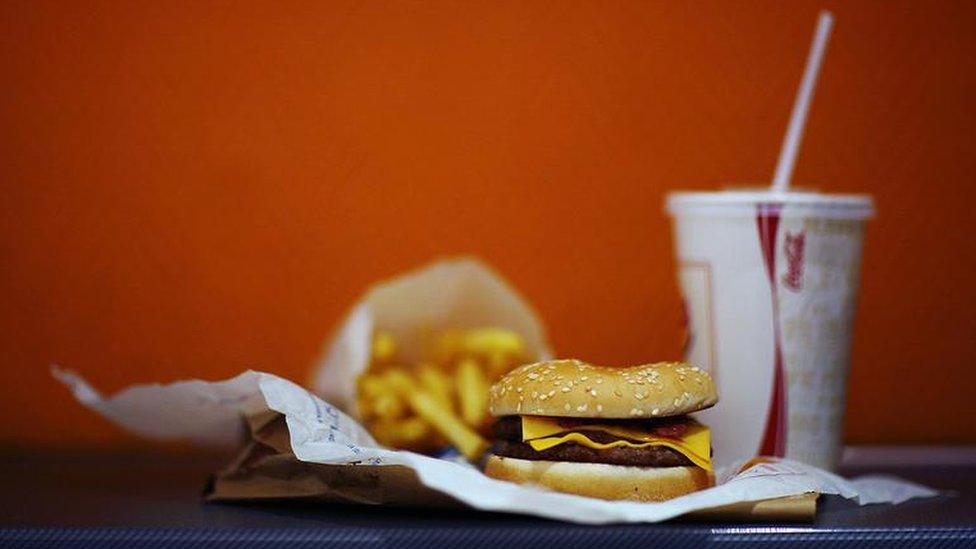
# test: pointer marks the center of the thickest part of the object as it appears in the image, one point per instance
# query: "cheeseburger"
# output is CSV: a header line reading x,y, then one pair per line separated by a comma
x,y
609,433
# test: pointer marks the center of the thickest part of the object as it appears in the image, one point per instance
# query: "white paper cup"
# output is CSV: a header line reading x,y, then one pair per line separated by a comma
x,y
769,282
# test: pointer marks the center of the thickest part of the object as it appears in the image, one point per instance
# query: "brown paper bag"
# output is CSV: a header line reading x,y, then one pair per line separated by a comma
x,y
266,468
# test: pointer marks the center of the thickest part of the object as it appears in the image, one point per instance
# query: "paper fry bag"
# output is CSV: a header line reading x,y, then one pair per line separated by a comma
x,y
452,294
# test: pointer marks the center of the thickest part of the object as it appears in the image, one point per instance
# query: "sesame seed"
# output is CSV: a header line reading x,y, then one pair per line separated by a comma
x,y
599,380
581,407
592,392
639,396
518,390
552,392
584,378
567,407
655,412
533,375
617,394
519,407
565,390
535,394
599,407
677,401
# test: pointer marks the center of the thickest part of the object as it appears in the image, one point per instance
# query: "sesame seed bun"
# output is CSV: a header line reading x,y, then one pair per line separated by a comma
x,y
572,388
601,480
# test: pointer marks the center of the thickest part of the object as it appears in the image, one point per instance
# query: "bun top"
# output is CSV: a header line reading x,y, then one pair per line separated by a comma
x,y
572,388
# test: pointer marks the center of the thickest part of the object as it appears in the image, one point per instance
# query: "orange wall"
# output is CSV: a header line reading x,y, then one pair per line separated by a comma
x,y
190,189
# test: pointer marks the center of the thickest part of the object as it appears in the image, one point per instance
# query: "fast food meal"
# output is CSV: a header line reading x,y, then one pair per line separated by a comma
x,y
442,400
608,433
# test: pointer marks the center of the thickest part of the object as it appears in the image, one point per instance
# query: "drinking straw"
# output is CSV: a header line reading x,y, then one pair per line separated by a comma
x,y
801,106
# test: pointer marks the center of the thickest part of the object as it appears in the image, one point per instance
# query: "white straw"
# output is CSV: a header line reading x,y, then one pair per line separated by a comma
x,y
794,133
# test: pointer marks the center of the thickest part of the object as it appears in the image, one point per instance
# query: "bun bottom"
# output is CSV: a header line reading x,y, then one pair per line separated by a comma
x,y
602,480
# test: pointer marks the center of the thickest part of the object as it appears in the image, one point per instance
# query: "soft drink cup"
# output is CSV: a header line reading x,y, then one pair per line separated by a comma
x,y
769,283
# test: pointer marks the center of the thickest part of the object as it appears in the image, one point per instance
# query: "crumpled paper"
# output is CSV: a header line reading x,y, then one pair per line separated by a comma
x,y
266,468
452,294
322,434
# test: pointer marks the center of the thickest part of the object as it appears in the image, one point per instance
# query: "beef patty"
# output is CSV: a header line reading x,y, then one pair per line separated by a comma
x,y
509,432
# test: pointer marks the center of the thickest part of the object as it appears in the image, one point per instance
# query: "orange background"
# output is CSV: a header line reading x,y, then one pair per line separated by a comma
x,y
191,189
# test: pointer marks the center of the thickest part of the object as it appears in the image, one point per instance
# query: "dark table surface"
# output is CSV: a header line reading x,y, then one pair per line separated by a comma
x,y
98,499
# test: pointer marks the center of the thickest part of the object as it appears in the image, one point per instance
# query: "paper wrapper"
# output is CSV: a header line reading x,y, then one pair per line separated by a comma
x,y
299,445
267,469
340,461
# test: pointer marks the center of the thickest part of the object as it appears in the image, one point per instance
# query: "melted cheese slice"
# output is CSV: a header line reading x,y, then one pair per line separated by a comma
x,y
540,433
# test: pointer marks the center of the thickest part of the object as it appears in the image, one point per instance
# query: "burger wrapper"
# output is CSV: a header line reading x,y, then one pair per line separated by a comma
x,y
300,443
267,469
300,446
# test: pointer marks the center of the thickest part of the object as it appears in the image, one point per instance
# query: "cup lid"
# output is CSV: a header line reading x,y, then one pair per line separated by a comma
x,y
849,206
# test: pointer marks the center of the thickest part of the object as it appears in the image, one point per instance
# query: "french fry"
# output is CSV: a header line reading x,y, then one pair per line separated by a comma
x,y
384,347
368,388
389,406
485,341
442,419
446,347
412,433
436,382
371,386
499,364
421,406
399,380
467,441
384,408
472,389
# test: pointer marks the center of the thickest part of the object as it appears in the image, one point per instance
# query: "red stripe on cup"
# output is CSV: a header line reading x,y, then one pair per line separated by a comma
x,y
774,437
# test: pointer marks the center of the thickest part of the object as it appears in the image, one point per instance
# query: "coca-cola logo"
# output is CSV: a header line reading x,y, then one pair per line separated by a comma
x,y
793,279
